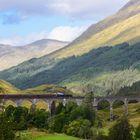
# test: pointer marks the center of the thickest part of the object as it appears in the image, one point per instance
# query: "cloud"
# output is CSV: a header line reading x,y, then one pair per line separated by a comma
x,y
66,33
73,9
10,41
86,8
62,33
11,18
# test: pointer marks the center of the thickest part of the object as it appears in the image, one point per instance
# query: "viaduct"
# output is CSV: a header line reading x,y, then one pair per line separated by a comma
x,y
49,99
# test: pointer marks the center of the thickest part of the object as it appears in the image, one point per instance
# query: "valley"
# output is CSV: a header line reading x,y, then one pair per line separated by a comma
x,y
85,87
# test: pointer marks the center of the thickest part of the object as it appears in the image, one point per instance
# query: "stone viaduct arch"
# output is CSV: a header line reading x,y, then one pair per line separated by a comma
x,y
111,101
18,99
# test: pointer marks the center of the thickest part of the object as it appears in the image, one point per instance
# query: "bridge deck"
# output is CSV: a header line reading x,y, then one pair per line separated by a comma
x,y
50,96
38,96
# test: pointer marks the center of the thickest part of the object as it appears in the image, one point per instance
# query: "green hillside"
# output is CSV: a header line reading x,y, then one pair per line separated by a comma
x,y
7,88
47,89
104,70
134,113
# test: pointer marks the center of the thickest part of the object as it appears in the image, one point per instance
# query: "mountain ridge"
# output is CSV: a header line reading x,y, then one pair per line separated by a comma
x,y
14,55
109,21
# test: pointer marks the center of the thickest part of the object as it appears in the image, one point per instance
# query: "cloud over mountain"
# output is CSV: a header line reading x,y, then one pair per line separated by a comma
x,y
66,33
63,33
19,10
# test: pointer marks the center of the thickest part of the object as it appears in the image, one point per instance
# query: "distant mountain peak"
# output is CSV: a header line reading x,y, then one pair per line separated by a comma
x,y
46,41
132,5
14,55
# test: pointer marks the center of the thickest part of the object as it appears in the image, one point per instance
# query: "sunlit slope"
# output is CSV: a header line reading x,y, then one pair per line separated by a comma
x,y
47,89
7,88
125,31
130,9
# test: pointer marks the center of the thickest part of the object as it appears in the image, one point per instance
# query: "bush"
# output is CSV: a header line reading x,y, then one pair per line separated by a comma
x,y
6,129
137,132
122,130
56,123
79,128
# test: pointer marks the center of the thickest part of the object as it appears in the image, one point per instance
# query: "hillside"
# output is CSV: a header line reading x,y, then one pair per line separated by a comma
x,y
134,113
104,70
130,9
90,60
13,55
124,31
7,88
121,27
47,89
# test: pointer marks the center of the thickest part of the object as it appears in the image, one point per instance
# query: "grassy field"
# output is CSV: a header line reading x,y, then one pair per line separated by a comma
x,y
55,137
37,135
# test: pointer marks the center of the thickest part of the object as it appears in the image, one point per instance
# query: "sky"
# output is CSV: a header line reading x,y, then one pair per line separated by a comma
x,y
25,21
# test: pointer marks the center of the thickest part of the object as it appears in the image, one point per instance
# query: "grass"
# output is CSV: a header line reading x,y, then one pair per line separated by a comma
x,y
55,137
37,135
134,115
6,87
47,89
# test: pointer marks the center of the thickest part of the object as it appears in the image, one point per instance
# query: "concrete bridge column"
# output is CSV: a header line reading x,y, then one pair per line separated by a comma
x,y
49,102
33,106
95,104
18,102
79,102
126,106
111,111
2,105
64,102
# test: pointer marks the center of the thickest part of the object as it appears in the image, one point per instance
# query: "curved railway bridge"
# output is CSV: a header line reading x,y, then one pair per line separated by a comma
x,y
50,99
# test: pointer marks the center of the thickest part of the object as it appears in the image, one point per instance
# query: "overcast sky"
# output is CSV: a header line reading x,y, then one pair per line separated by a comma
x,y
24,21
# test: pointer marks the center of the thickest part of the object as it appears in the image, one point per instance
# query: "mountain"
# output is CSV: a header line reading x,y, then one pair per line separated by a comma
x,y
13,55
122,27
93,61
104,70
132,8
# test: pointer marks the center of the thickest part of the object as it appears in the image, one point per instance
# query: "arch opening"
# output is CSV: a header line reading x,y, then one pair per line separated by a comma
x,y
103,105
133,101
10,102
118,109
26,103
118,104
41,104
